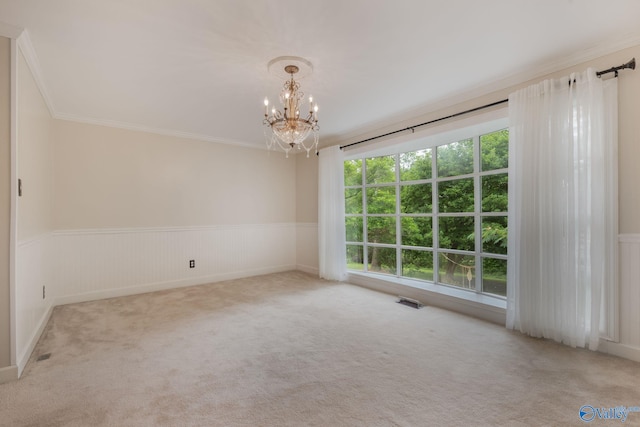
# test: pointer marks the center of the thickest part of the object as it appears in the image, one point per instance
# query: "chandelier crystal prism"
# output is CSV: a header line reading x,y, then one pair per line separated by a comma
x,y
286,129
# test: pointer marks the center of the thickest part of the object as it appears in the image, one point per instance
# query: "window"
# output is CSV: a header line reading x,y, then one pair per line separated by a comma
x,y
437,214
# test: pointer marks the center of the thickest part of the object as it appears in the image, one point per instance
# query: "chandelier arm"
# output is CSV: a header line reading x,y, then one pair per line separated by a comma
x,y
288,129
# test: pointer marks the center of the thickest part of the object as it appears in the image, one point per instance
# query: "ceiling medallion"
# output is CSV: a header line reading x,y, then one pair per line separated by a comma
x,y
285,129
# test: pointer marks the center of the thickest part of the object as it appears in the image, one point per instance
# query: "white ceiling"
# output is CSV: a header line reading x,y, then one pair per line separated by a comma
x,y
199,67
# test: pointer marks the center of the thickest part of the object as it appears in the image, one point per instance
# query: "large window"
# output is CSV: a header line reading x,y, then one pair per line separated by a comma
x,y
437,214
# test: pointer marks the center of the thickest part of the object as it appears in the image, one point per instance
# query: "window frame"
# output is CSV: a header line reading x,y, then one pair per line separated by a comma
x,y
472,128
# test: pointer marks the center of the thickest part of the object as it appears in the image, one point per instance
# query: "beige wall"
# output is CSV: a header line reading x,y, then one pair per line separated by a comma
x,y
629,140
307,213
106,177
34,265
5,199
35,158
629,126
307,188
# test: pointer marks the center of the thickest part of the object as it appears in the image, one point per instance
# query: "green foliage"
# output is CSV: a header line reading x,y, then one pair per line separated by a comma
x,y
415,198
381,229
494,193
417,264
494,148
416,231
381,170
353,200
455,158
353,225
355,257
352,172
415,165
494,235
381,200
455,268
382,260
457,232
455,196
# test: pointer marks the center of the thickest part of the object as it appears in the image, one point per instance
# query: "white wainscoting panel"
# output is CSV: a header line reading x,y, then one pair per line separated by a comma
x,y
94,264
629,290
33,271
307,247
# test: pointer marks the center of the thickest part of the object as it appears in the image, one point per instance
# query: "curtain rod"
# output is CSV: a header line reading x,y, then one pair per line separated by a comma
x,y
631,65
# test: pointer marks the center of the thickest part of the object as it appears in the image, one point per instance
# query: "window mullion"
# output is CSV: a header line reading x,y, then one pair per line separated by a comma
x,y
454,214
398,225
477,198
435,210
365,227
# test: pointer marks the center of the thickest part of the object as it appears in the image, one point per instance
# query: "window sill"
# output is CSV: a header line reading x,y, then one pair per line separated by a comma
x,y
485,307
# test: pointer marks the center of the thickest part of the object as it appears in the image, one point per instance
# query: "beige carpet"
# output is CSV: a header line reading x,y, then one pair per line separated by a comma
x,y
291,350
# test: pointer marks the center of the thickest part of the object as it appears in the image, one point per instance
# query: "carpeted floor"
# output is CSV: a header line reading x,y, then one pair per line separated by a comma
x,y
291,350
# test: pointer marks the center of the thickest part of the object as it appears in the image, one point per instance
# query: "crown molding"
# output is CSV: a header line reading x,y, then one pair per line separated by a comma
x,y
31,58
515,78
10,31
600,50
381,126
29,54
157,131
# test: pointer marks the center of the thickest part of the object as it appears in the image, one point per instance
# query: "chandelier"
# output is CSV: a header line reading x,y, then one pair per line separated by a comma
x,y
287,129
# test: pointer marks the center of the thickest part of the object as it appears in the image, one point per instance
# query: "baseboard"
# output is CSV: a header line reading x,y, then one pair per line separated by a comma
x,y
308,269
8,374
23,359
171,284
620,350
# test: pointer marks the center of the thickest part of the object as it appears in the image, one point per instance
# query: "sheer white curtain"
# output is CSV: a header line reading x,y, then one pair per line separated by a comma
x,y
331,231
563,208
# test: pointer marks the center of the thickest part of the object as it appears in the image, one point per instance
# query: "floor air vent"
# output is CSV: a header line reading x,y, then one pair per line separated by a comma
x,y
409,302
43,357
